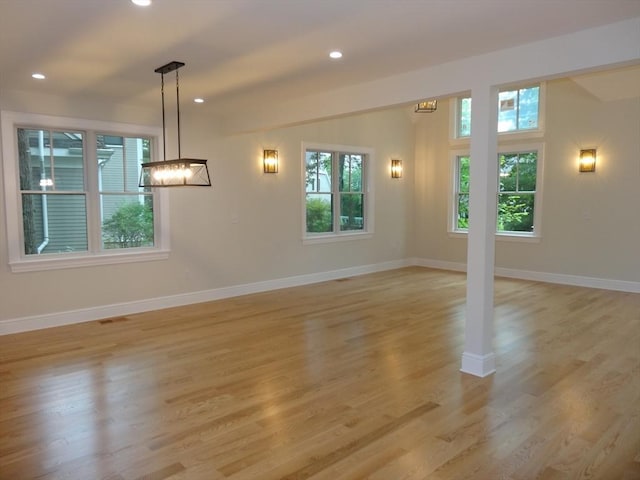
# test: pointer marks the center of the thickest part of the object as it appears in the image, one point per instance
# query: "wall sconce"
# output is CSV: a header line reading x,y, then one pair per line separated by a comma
x,y
428,106
396,168
270,161
587,160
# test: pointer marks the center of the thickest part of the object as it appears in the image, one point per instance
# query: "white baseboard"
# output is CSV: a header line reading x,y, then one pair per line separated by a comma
x,y
37,322
439,264
575,280
559,278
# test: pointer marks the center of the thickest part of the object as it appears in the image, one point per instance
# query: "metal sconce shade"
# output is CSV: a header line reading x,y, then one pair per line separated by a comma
x,y
270,161
396,168
587,160
181,171
429,106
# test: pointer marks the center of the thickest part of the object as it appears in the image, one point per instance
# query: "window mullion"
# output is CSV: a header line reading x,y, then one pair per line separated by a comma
x,y
92,193
517,109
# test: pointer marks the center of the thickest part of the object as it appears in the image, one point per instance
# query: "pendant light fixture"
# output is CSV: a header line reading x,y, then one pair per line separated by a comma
x,y
428,106
180,172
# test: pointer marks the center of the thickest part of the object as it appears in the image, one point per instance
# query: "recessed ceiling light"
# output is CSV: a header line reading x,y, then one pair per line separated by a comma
x,y
141,3
38,76
198,100
336,54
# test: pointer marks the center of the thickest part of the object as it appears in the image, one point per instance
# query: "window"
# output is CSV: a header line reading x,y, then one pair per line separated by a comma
x,y
464,117
336,199
126,210
462,192
517,192
72,194
518,110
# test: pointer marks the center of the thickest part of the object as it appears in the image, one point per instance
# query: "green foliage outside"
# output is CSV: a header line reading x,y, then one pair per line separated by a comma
x,y
130,226
319,215
463,189
517,187
351,212
28,201
320,192
515,213
517,192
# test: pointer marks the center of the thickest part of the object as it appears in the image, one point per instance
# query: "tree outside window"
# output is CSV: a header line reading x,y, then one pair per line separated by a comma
x,y
516,196
55,197
334,186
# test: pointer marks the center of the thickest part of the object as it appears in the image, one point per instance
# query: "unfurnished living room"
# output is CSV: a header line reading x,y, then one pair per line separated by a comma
x,y
325,240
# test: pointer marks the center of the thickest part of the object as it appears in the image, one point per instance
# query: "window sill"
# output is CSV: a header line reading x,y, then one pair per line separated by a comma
x,y
504,237
68,261
518,237
343,237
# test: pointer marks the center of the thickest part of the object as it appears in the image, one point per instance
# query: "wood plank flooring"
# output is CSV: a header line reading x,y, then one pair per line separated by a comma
x,y
349,379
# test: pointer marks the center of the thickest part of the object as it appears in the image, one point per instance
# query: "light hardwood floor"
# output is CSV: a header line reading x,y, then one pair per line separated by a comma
x,y
349,379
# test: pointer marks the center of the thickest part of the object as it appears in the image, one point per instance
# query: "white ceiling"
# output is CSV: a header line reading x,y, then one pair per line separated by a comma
x,y
243,53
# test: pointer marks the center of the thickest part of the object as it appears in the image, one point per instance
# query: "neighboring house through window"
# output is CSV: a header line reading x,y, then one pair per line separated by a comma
x,y
336,187
72,194
518,111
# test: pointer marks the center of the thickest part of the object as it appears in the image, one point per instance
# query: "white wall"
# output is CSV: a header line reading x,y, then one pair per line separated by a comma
x,y
210,250
246,229
590,221
251,227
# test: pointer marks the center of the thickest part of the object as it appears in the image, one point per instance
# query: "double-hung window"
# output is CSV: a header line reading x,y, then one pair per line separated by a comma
x,y
72,195
336,187
518,192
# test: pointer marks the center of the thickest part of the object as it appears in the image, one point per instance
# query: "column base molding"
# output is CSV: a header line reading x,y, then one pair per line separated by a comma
x,y
478,365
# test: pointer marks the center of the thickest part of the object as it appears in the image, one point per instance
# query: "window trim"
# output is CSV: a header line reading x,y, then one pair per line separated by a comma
x,y
536,234
340,236
18,261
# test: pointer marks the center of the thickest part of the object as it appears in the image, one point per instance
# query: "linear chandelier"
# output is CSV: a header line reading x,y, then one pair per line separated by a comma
x,y
428,106
180,172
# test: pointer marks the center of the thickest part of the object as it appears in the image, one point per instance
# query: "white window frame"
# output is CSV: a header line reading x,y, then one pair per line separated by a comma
x,y
338,236
533,236
18,261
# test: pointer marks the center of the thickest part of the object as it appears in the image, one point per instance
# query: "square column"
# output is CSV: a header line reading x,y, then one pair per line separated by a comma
x,y
478,357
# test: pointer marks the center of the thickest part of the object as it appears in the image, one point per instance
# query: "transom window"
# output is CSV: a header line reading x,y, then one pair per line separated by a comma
x,y
336,191
72,193
516,197
518,110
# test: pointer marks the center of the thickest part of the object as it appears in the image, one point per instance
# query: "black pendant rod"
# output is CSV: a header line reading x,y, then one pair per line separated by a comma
x,y
164,128
170,67
178,111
